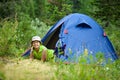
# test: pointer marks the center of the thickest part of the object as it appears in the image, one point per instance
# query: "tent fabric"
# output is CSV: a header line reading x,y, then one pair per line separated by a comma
x,y
27,52
77,33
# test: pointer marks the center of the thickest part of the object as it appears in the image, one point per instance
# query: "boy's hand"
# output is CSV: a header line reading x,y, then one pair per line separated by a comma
x,y
31,48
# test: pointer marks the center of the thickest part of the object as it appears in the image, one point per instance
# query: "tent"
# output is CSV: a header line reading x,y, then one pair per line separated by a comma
x,y
76,34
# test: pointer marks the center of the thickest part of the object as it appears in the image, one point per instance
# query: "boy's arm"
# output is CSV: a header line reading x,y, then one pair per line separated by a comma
x,y
31,53
44,55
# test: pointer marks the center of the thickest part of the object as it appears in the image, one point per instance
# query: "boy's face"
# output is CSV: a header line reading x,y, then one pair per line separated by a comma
x,y
36,44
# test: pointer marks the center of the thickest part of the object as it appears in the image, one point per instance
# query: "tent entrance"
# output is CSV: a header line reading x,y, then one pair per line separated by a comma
x,y
53,38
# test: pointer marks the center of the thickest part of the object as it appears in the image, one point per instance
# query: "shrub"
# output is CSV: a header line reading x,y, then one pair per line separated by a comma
x,y
7,32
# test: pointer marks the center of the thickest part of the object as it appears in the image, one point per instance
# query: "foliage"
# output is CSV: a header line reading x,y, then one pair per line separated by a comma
x,y
40,27
55,10
88,72
107,11
83,6
114,35
22,19
16,36
7,8
7,31
33,8
23,69
2,77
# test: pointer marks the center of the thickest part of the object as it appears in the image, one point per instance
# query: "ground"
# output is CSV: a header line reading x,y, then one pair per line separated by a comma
x,y
26,69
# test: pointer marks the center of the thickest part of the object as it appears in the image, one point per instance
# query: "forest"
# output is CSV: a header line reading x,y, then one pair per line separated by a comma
x,y
22,19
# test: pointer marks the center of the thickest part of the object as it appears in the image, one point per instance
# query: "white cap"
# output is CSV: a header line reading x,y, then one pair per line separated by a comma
x,y
34,38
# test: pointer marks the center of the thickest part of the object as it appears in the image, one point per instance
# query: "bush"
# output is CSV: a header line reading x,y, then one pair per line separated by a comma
x,y
114,35
16,34
7,32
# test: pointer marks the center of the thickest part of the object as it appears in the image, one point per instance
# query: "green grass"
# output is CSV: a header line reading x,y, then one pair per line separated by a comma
x,y
25,69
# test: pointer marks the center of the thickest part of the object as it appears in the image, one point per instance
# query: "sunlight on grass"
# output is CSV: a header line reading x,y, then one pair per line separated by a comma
x,y
29,70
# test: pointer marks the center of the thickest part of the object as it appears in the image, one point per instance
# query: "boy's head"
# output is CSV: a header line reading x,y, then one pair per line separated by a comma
x,y
36,41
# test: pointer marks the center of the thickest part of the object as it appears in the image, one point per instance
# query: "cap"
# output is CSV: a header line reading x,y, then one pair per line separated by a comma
x,y
34,38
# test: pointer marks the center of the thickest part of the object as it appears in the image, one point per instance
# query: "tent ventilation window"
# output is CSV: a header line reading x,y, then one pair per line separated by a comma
x,y
83,25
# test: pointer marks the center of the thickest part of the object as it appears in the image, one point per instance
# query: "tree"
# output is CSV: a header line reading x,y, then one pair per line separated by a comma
x,y
108,11
57,9
7,8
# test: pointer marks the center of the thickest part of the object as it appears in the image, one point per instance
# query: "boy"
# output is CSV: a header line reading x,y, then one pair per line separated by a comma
x,y
38,51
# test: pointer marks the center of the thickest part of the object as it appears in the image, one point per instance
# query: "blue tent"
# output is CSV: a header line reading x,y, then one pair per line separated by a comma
x,y
76,34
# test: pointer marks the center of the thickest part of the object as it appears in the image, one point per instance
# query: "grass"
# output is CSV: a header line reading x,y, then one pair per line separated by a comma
x,y
25,69
28,70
